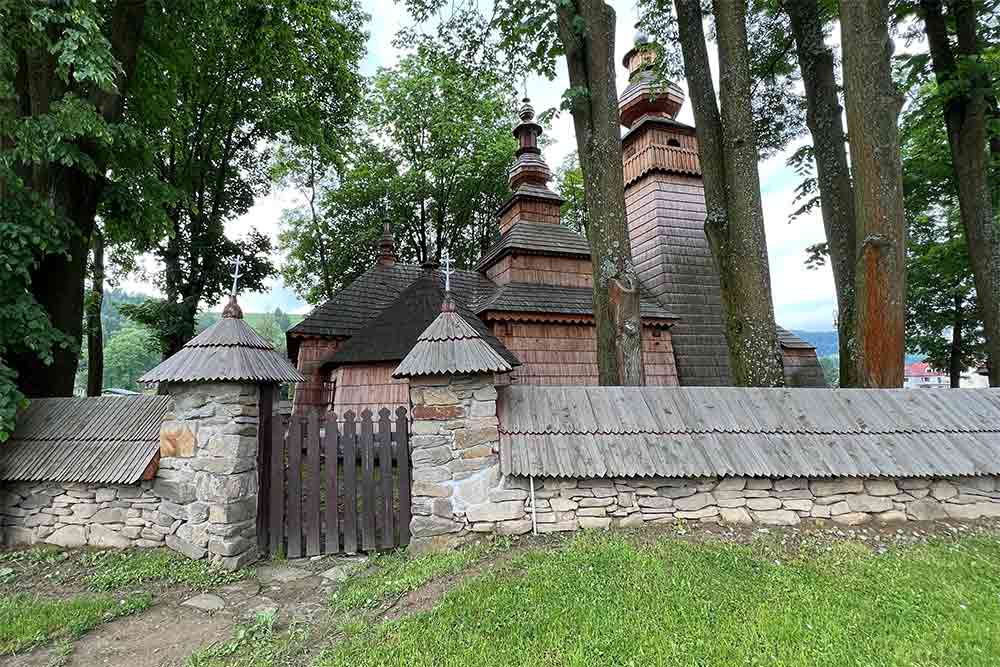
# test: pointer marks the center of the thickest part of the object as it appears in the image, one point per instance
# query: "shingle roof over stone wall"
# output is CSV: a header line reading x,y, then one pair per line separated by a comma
x,y
735,431
102,440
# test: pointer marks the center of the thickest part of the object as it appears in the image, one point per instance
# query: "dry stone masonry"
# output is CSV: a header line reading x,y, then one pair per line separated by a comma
x,y
571,504
202,501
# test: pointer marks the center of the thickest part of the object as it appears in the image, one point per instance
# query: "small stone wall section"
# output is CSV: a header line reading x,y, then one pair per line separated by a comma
x,y
572,504
76,515
210,483
202,501
454,441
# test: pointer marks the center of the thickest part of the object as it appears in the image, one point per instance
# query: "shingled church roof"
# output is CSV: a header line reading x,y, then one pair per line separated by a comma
x,y
391,334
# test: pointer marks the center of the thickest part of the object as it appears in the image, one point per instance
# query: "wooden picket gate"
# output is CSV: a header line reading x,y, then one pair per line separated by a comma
x,y
332,486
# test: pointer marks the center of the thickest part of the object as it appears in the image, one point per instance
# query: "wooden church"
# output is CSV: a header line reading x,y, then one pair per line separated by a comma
x,y
530,296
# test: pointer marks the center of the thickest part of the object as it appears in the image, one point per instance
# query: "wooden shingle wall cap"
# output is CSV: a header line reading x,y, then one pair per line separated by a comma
x,y
451,345
737,431
109,440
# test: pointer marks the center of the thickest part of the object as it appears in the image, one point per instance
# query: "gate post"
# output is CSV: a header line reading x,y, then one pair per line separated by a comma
x,y
455,455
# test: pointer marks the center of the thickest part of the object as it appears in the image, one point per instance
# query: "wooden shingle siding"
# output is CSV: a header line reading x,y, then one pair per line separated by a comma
x,y
317,389
541,270
566,354
666,214
369,386
530,210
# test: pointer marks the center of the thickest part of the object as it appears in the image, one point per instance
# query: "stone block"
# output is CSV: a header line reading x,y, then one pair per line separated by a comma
x,y
431,456
777,517
423,441
563,504
109,515
703,513
789,484
892,516
731,503
102,536
731,484
436,396
477,452
431,474
797,505
866,503
852,518
926,509
85,510
176,491
224,466
429,526
517,527
833,487
735,515
105,495
655,502
881,487
178,439
594,523
592,511
763,504
225,488
820,512
972,511
794,494
225,530
438,412
36,501
596,502
911,483
695,502
943,490
421,488
483,408
234,512
229,547
759,483
36,520
559,526
69,537
500,495
229,447
675,491
491,512
192,551
14,535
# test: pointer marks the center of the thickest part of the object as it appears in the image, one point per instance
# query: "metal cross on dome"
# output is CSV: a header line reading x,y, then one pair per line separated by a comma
x,y
446,258
236,275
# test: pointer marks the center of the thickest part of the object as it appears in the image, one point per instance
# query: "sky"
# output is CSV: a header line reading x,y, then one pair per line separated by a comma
x,y
803,298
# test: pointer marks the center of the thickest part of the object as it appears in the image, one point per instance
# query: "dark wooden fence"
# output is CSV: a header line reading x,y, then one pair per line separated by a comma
x,y
330,485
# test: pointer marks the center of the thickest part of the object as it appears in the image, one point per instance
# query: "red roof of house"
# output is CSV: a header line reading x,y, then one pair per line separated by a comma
x,y
920,369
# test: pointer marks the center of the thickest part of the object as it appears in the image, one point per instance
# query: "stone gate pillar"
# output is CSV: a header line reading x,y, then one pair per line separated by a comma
x,y
211,481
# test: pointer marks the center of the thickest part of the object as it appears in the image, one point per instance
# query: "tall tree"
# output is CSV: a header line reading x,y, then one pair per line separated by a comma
x,y
95,327
727,148
873,106
966,80
430,159
64,71
587,32
209,110
833,178
569,182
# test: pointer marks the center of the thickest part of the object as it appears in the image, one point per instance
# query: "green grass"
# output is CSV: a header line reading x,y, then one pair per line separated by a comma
x,y
398,572
27,620
607,600
255,644
112,570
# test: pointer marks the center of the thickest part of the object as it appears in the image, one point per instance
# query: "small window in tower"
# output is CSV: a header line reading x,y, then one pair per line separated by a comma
x,y
673,142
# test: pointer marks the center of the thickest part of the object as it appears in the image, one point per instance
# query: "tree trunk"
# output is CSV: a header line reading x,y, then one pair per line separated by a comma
x,y
966,113
873,105
734,221
587,31
955,366
836,193
95,328
58,282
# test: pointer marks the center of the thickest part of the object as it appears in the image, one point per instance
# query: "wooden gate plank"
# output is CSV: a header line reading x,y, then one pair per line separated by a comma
x,y
265,407
295,436
350,484
313,485
331,437
403,473
276,510
368,510
385,476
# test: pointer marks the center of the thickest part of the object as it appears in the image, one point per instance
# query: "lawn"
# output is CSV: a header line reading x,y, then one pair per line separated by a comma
x,y
616,600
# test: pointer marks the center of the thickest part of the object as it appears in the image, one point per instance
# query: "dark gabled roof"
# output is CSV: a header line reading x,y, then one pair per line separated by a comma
x,y
531,298
452,344
537,238
789,340
371,293
228,351
106,440
391,334
754,432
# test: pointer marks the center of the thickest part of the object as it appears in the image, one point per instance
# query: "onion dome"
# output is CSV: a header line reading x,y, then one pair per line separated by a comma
x,y
228,351
645,95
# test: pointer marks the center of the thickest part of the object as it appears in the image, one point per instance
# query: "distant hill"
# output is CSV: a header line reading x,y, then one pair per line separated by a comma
x,y
824,341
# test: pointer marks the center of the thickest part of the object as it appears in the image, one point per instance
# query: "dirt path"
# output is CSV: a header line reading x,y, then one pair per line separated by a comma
x,y
167,633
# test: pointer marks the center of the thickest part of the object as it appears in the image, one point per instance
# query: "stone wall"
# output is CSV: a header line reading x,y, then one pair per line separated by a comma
x,y
76,515
571,504
456,468
202,501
